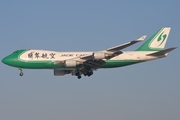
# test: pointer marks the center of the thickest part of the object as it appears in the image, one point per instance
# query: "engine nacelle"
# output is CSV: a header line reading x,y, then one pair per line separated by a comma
x,y
71,63
61,72
99,55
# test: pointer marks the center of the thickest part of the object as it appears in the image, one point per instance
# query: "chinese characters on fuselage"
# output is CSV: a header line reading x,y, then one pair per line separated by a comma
x,y
37,55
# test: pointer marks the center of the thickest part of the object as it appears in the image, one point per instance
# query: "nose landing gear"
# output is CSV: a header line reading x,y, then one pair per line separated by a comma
x,y
21,73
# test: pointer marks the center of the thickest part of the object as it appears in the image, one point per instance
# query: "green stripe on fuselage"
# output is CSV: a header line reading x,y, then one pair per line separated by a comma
x,y
119,63
51,65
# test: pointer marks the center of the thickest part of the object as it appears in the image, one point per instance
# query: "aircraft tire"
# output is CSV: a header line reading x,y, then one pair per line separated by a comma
x,y
21,74
79,77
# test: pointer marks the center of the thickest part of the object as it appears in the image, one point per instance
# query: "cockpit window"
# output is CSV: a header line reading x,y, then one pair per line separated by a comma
x,y
15,51
19,51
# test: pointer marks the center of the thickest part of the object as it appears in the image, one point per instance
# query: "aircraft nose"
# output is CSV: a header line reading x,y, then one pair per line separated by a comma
x,y
7,60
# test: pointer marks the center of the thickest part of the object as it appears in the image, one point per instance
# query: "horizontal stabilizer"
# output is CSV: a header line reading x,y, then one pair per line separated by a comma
x,y
162,52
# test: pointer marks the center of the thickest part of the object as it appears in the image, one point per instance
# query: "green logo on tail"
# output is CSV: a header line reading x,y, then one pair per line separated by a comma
x,y
161,38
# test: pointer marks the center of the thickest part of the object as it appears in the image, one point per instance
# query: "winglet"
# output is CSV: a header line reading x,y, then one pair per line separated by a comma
x,y
141,38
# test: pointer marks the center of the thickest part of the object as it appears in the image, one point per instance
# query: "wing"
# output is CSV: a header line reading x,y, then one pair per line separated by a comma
x,y
96,59
120,47
112,52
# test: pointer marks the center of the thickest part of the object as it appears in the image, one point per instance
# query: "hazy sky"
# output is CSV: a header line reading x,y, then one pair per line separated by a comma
x,y
146,91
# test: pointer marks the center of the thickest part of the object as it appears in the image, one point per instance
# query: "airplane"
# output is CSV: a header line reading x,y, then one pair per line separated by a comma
x,y
84,63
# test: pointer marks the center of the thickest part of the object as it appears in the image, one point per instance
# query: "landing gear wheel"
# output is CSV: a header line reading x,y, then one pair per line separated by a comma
x,y
79,77
90,73
21,74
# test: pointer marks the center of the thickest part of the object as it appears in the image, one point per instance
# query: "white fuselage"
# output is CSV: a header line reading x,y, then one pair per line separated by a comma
x,y
44,55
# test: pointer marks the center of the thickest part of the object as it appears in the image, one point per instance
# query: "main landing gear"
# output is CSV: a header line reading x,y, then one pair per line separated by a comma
x,y
78,75
87,73
21,73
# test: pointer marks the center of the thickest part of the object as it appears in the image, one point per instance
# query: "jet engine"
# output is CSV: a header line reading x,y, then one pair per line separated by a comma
x,y
71,63
61,72
99,55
